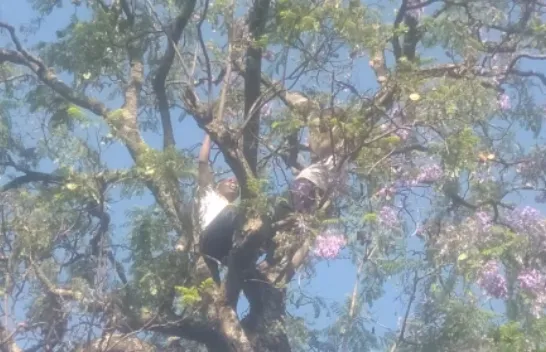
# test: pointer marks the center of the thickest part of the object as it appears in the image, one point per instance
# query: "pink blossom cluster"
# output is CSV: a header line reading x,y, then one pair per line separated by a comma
x,y
483,221
328,245
504,102
527,220
532,282
388,217
491,281
538,305
430,174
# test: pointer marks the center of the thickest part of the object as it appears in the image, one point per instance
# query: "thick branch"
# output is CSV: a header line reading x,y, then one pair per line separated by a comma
x,y
253,73
7,342
97,211
411,38
190,329
31,176
22,57
164,67
129,134
398,20
413,295
531,73
117,343
50,287
186,328
128,12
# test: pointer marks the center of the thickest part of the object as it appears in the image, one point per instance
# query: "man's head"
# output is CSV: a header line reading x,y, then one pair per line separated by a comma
x,y
229,188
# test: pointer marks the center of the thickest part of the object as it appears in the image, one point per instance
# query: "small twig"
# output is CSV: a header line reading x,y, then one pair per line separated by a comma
x,y
400,339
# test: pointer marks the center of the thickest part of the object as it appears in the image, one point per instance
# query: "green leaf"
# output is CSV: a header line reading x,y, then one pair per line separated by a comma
x,y
462,256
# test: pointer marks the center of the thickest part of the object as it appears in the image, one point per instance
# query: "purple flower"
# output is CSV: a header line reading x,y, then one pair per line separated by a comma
x,y
504,102
430,174
531,280
388,217
328,245
484,220
491,281
524,219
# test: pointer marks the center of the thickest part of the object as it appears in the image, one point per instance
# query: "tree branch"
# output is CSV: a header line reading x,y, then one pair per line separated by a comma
x,y
7,342
173,37
252,89
531,73
22,57
413,295
117,343
31,176
397,48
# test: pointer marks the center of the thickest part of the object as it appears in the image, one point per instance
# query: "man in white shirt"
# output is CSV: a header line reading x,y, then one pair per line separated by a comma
x,y
218,218
312,183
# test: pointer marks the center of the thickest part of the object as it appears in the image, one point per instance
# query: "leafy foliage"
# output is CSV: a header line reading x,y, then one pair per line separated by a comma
x,y
440,108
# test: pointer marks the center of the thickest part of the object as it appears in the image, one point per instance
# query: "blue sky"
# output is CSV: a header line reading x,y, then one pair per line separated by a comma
x,y
334,281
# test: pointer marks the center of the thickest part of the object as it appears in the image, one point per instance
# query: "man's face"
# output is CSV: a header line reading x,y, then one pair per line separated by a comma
x,y
229,188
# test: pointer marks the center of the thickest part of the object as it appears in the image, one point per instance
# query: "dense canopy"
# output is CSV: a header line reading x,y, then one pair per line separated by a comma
x,y
432,109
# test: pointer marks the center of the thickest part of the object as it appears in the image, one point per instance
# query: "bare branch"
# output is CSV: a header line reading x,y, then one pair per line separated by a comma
x,y
173,38
50,287
31,176
413,295
223,94
7,341
398,20
257,20
128,12
204,49
531,73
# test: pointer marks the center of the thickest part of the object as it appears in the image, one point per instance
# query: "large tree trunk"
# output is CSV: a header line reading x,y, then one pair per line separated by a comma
x,y
265,324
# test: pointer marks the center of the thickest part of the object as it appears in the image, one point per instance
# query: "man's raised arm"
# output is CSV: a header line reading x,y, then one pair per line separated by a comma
x,y
205,176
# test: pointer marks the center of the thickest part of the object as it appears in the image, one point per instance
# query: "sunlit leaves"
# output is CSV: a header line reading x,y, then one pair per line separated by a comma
x,y
414,96
444,135
192,295
95,57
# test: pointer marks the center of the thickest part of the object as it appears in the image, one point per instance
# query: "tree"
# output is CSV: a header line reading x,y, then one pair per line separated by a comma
x,y
438,146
